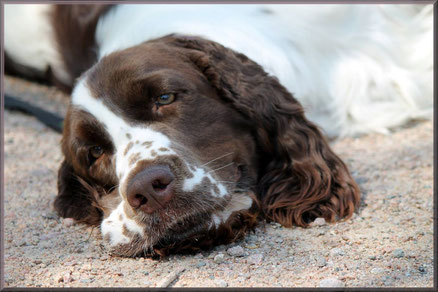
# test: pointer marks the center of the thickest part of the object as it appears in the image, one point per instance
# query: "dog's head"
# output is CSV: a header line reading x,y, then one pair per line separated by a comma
x,y
180,143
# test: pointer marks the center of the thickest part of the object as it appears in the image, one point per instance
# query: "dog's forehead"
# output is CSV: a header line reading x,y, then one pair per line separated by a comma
x,y
119,129
135,61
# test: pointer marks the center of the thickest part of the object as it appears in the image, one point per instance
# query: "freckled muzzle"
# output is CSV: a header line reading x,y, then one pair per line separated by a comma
x,y
167,182
164,197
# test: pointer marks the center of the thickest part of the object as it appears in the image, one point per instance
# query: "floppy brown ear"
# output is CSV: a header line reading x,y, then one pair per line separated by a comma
x,y
76,198
300,177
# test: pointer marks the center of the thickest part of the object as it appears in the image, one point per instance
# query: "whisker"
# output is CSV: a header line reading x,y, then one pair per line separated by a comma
x,y
221,167
217,158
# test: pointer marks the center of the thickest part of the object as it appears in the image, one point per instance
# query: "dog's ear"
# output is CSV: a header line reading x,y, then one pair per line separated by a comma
x,y
300,177
76,198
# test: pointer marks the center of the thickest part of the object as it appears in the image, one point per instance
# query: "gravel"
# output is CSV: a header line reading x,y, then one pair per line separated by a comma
x,y
220,283
331,282
255,259
219,258
336,252
236,251
388,243
398,253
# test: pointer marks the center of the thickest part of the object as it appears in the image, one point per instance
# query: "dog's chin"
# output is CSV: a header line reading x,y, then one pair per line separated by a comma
x,y
162,232
175,229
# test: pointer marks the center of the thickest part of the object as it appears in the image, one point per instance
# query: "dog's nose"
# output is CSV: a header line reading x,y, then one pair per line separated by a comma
x,y
151,189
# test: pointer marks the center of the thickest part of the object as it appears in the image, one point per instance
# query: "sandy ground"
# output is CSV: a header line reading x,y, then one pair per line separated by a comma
x,y
388,243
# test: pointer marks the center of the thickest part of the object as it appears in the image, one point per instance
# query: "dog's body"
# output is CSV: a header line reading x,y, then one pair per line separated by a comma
x,y
186,128
344,63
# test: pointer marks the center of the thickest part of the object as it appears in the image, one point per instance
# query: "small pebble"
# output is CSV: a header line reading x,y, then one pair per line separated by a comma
x,y
337,252
279,240
377,270
321,262
236,251
220,283
219,258
398,253
275,225
372,257
49,215
68,222
319,222
67,278
331,282
251,246
255,259
200,264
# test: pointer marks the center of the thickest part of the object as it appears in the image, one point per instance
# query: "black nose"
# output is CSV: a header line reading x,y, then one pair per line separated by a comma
x,y
151,189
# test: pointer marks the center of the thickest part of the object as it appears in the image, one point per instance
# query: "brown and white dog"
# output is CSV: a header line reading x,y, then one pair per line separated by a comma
x,y
182,131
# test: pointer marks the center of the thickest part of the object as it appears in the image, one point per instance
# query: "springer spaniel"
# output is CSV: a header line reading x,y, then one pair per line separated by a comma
x,y
182,130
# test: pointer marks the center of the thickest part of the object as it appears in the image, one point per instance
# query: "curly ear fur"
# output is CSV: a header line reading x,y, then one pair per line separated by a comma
x,y
300,177
76,198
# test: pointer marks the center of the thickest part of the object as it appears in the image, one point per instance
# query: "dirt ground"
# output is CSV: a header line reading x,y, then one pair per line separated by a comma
x,y
389,243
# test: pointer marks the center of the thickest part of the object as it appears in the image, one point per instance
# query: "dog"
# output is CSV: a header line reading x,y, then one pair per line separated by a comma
x,y
188,124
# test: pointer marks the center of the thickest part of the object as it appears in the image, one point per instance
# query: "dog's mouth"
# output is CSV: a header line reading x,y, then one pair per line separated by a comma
x,y
129,231
194,201
181,226
164,228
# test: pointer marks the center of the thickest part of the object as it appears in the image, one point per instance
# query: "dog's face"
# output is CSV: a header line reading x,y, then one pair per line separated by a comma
x,y
176,147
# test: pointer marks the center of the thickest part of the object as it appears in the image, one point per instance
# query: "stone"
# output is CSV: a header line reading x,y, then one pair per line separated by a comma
x,y
68,222
236,251
377,271
331,282
398,253
219,258
321,262
220,283
67,278
337,252
319,222
255,259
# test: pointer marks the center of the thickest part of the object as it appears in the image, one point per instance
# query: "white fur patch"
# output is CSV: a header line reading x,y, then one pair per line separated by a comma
x,y
113,226
198,176
190,183
238,202
355,68
122,133
29,39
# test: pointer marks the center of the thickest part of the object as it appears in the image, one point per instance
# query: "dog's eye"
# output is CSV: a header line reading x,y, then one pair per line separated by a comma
x,y
164,99
96,152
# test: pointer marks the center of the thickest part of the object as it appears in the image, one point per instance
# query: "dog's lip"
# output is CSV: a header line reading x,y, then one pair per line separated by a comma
x,y
172,228
179,232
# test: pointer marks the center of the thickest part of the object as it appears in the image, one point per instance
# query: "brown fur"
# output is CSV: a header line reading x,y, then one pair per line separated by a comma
x,y
74,27
302,178
227,104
